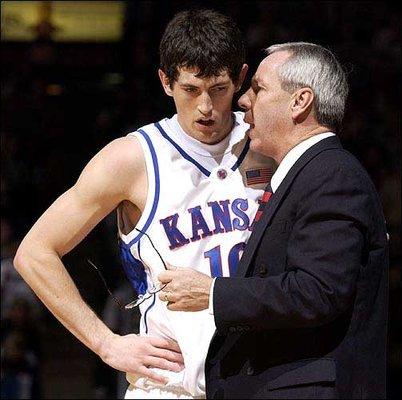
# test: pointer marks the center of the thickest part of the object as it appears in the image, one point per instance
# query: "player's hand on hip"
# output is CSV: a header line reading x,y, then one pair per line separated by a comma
x,y
138,354
185,290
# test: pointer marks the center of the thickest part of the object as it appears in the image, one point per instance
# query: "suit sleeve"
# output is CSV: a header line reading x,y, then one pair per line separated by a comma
x,y
324,254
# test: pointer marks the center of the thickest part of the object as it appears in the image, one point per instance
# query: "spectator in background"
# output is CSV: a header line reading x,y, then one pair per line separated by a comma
x,y
20,353
21,312
13,287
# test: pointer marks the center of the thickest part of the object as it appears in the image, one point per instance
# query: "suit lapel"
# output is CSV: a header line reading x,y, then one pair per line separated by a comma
x,y
276,199
255,238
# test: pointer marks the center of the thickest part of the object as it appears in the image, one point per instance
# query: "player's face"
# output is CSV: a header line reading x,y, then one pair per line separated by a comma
x,y
267,107
204,105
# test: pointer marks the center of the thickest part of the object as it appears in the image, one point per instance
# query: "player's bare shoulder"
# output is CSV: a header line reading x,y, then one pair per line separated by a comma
x,y
124,159
117,171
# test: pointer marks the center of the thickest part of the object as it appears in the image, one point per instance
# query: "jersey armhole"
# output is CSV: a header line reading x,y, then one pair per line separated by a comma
x,y
151,204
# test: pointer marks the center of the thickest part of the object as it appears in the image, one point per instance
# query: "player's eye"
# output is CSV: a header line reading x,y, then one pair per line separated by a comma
x,y
190,89
220,88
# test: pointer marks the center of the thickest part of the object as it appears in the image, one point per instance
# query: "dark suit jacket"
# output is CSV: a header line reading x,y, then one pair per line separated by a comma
x,y
306,315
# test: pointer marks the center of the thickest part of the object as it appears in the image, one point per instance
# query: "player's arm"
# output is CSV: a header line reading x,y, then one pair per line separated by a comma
x,y
115,174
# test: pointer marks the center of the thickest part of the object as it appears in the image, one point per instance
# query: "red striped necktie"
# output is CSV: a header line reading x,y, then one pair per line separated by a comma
x,y
263,202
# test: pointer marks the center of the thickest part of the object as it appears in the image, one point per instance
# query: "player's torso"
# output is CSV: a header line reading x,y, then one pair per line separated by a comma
x,y
198,214
198,207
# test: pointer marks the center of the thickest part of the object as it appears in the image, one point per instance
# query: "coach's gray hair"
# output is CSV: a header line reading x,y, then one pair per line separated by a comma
x,y
314,66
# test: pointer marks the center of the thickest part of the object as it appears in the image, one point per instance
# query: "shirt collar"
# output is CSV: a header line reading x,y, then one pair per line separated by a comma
x,y
293,155
189,143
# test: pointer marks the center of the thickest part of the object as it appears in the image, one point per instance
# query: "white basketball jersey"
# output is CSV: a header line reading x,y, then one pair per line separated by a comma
x,y
199,211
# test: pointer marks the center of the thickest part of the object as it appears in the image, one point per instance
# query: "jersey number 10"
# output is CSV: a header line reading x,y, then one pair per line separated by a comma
x,y
215,259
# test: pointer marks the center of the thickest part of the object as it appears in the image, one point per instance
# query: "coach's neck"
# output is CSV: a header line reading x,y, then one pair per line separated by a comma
x,y
295,138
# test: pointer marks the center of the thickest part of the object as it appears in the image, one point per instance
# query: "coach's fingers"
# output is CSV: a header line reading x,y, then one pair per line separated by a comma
x,y
165,277
167,295
171,267
172,306
153,376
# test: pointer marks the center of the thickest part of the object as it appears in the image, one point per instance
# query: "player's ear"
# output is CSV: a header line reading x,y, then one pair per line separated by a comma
x,y
242,75
165,82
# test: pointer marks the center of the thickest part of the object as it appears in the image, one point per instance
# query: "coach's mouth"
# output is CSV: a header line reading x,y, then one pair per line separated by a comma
x,y
249,130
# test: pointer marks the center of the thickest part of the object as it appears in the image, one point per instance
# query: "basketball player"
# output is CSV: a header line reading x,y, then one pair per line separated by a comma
x,y
185,188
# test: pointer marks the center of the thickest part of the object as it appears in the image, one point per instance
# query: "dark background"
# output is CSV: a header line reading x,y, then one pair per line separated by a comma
x,y
62,102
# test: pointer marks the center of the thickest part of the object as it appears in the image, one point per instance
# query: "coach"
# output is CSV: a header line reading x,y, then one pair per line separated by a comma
x,y
306,314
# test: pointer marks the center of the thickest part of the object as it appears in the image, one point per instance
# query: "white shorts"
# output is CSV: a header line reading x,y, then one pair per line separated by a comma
x,y
158,393
142,388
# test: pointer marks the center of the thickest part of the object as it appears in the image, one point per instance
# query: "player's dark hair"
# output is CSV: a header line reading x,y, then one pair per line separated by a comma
x,y
204,39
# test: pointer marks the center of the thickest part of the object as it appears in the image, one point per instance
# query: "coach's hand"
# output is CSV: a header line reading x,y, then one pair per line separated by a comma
x,y
185,290
138,354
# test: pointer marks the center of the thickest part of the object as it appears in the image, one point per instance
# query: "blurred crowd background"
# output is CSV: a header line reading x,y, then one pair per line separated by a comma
x,y
63,99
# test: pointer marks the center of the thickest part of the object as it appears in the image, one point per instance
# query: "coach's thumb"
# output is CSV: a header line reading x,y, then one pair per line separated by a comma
x,y
171,267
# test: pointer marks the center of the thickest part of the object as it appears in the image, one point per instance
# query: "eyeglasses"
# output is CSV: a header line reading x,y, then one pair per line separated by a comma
x,y
151,291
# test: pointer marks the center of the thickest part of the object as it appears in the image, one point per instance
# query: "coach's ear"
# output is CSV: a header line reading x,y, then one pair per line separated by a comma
x,y
302,102
165,82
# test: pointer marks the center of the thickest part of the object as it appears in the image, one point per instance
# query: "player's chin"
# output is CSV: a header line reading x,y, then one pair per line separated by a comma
x,y
207,137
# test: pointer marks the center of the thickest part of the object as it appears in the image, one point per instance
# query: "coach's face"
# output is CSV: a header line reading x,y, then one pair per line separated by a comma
x,y
268,108
203,104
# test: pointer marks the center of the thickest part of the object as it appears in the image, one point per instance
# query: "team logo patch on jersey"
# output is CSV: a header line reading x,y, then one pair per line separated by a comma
x,y
258,175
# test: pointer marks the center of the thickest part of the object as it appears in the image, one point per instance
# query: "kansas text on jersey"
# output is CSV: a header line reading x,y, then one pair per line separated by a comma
x,y
201,202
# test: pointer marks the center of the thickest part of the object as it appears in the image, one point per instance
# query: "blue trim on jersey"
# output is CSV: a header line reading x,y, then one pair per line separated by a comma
x,y
153,302
133,268
139,252
242,155
146,312
181,151
157,187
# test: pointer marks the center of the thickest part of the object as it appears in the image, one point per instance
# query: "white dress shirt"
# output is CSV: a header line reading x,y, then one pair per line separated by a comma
x,y
283,168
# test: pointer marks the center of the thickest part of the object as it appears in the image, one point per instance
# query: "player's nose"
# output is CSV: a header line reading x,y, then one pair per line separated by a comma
x,y
205,106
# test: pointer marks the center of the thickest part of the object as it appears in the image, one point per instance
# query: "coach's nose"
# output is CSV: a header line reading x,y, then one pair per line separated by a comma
x,y
205,105
246,104
245,101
